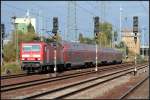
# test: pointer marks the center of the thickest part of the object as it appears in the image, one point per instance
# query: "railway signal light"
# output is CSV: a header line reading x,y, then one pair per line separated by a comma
x,y
2,33
2,37
135,37
135,27
135,24
2,30
96,35
96,25
55,25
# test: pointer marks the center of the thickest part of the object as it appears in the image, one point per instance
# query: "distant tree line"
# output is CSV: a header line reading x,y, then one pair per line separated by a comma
x,y
104,36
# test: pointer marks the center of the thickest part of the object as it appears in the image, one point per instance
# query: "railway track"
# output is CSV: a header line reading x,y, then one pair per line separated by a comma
x,y
24,74
52,80
76,87
13,76
10,87
125,95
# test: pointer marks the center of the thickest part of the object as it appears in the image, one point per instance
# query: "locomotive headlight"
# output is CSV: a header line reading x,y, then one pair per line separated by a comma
x,y
38,58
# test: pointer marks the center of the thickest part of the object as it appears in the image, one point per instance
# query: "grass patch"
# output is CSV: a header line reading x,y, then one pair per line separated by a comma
x,y
13,67
140,59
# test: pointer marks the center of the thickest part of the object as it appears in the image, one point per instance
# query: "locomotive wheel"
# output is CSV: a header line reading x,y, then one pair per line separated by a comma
x,y
68,66
91,64
61,67
87,65
39,70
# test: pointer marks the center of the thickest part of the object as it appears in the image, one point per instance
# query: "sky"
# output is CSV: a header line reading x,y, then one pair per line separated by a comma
x,y
44,11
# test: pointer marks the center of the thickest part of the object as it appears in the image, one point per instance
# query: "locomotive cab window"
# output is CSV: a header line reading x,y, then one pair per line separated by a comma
x,y
35,48
27,48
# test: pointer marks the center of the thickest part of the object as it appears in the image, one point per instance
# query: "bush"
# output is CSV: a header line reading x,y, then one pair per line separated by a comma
x,y
9,52
13,67
140,59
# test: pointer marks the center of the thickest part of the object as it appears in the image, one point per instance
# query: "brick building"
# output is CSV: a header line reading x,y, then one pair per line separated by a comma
x,y
128,39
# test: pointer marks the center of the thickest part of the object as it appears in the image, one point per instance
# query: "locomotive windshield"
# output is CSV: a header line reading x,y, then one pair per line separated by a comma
x,y
28,48
35,48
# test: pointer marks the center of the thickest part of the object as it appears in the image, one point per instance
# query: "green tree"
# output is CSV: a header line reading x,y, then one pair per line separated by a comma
x,y
89,40
86,40
9,52
81,39
30,28
105,35
115,36
121,44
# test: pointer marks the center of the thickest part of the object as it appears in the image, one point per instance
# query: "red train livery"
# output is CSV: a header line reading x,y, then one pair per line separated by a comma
x,y
39,56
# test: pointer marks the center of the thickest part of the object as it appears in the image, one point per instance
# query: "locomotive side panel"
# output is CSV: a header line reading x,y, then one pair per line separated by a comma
x,y
49,54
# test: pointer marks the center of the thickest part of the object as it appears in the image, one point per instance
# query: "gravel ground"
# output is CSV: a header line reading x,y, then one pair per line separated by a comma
x,y
21,79
120,90
141,92
112,89
37,77
44,87
99,90
41,76
39,88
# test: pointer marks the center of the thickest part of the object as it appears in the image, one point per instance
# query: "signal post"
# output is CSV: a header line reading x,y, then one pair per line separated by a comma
x,y
54,31
135,31
96,31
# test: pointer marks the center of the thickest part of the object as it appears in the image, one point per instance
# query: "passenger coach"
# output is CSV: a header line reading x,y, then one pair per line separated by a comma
x,y
39,56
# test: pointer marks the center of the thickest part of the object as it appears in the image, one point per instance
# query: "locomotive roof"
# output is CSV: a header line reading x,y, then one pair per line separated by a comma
x,y
90,46
34,42
80,45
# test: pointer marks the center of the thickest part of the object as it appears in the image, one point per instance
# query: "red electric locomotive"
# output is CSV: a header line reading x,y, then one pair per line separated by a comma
x,y
39,56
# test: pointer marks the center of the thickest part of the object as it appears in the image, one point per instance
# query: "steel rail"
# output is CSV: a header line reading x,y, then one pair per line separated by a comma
x,y
79,83
23,74
52,79
12,76
133,88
